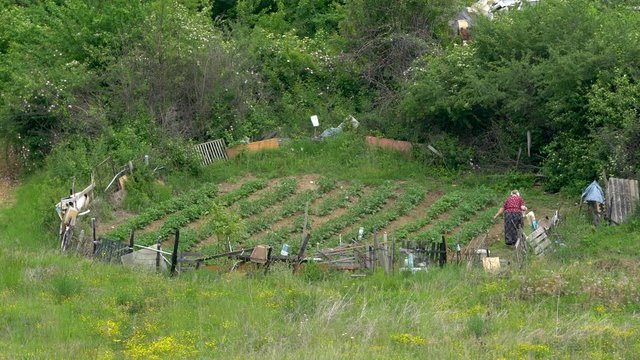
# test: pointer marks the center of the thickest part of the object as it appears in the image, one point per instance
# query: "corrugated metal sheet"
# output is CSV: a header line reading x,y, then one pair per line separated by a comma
x,y
621,199
211,151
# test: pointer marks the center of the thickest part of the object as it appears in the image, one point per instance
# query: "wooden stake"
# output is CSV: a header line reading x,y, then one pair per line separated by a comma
x,y
393,251
132,239
174,255
73,191
94,236
443,251
374,258
158,256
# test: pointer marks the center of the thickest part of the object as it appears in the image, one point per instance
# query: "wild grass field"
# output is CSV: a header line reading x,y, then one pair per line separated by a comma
x,y
579,302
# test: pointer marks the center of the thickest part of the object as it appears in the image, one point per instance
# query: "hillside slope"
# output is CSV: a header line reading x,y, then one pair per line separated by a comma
x,y
581,301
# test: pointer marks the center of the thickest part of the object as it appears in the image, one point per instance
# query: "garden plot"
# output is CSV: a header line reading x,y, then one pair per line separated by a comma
x,y
180,211
418,212
273,213
330,205
223,221
405,201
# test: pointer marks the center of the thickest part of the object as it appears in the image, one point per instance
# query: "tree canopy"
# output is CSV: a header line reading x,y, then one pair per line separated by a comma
x,y
87,72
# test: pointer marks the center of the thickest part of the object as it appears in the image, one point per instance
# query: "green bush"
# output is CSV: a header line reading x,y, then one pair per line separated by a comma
x,y
570,164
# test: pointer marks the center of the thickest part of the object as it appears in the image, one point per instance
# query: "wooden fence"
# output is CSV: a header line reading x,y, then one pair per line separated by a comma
x,y
211,151
621,199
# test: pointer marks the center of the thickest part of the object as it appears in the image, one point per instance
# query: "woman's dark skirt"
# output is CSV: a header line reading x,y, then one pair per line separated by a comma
x,y
512,227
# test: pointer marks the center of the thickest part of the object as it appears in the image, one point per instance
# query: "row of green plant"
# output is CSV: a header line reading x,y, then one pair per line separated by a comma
x,y
475,202
197,210
156,212
470,230
326,207
340,200
281,236
220,222
405,202
268,218
439,207
290,234
251,207
224,222
288,208
369,204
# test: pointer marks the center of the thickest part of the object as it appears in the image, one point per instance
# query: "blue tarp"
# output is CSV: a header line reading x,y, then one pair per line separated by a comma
x,y
593,192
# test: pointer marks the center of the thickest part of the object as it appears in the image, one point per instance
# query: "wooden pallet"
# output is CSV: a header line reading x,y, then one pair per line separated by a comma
x,y
539,241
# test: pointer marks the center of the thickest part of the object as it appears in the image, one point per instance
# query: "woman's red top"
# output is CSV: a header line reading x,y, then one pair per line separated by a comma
x,y
513,203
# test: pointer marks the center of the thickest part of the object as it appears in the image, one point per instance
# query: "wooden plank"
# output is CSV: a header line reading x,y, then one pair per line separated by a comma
x,y
544,244
619,201
199,152
635,195
205,156
212,150
612,201
200,155
219,148
207,147
216,150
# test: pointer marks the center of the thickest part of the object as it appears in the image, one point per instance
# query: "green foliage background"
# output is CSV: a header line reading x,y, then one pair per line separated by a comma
x,y
81,79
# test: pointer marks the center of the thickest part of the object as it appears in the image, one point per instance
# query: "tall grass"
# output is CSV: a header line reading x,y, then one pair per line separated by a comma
x,y
581,302
63,307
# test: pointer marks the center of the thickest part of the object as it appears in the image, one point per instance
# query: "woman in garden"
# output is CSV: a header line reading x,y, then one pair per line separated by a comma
x,y
512,209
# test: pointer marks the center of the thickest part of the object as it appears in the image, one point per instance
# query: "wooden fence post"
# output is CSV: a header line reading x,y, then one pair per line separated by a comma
x,y
94,236
174,255
132,239
374,255
158,256
303,248
393,251
443,251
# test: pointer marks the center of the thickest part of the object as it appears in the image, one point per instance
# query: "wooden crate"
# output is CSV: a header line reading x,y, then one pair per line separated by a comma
x,y
539,241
